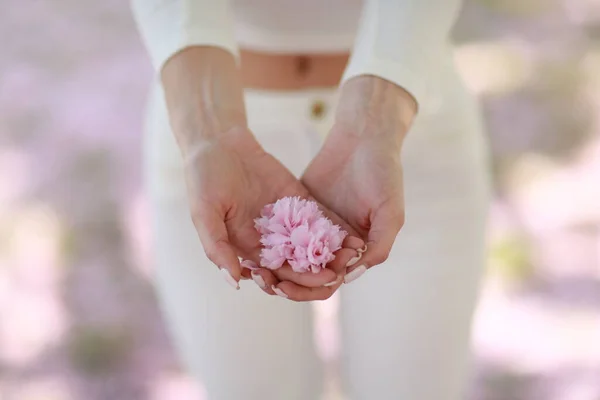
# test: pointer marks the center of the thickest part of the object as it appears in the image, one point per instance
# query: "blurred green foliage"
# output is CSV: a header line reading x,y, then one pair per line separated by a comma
x,y
98,350
511,259
519,8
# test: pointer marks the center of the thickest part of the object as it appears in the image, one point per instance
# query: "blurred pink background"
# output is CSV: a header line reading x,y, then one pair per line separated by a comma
x,y
78,316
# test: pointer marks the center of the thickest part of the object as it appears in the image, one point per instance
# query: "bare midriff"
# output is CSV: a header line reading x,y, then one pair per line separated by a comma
x,y
285,72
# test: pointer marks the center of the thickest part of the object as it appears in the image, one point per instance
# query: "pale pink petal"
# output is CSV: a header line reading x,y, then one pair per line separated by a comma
x,y
271,258
300,265
287,251
277,228
274,239
336,237
262,225
300,253
267,211
300,236
320,226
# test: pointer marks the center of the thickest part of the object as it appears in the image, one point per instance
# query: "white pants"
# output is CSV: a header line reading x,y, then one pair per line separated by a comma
x,y
404,324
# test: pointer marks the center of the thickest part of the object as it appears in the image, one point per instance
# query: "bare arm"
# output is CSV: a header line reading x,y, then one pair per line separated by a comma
x,y
192,46
204,95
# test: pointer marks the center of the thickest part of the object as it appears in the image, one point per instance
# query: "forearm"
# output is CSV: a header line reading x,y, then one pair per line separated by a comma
x,y
372,107
204,95
192,46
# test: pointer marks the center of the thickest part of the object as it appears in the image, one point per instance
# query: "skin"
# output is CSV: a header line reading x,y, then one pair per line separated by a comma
x,y
229,176
358,172
356,178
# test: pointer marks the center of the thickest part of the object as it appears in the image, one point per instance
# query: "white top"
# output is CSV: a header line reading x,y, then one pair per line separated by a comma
x,y
402,41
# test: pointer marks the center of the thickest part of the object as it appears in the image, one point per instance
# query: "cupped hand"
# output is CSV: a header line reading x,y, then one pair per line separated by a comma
x,y
230,178
229,181
358,172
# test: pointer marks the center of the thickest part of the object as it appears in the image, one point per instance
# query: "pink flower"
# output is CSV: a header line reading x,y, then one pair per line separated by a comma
x,y
300,236
294,230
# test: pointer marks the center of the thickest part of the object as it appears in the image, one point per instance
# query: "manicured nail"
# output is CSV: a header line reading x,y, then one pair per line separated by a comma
x,y
259,280
230,279
334,282
360,251
251,265
279,292
354,260
355,273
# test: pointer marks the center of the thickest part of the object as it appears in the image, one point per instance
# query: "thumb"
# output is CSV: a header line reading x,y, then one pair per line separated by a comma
x,y
212,231
386,222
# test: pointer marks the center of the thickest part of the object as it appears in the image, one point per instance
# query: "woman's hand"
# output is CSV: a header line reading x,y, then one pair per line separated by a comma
x,y
229,181
229,176
358,172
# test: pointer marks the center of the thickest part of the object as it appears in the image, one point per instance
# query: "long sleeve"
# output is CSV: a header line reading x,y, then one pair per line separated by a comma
x,y
168,26
402,41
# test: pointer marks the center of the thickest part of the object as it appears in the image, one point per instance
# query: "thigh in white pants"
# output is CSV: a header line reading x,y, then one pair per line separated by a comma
x,y
405,324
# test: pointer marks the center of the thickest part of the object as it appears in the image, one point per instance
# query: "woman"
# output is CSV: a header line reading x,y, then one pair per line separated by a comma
x,y
248,101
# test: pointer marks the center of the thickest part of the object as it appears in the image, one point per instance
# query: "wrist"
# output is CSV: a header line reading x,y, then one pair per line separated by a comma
x,y
370,106
201,127
236,139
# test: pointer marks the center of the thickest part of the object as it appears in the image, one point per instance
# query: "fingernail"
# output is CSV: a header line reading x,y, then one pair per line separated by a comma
x,y
251,265
334,282
230,279
355,273
360,251
354,260
259,280
279,292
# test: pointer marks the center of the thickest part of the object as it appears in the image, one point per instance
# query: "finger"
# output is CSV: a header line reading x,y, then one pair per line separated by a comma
x,y
385,225
344,258
286,273
247,245
213,235
306,279
245,275
248,264
291,291
264,279
353,242
247,267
